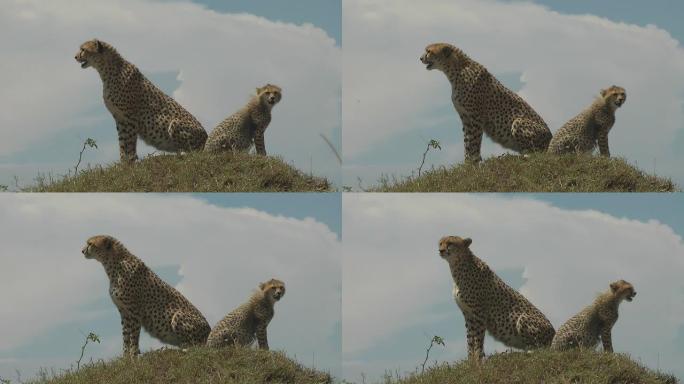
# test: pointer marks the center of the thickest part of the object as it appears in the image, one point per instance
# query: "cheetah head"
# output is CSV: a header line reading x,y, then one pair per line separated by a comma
x,y
270,94
97,247
614,95
436,55
273,289
451,247
623,290
91,52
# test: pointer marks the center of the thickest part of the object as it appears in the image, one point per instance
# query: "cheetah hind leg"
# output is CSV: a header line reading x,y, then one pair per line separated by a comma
x,y
186,138
190,329
530,135
534,333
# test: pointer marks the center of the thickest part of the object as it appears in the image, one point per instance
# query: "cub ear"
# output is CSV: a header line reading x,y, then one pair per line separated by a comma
x,y
467,241
261,286
614,286
604,92
446,51
98,46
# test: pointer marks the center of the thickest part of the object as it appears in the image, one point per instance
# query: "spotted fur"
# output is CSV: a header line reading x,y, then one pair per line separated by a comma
x,y
139,108
144,300
249,320
489,304
582,132
485,105
247,126
595,321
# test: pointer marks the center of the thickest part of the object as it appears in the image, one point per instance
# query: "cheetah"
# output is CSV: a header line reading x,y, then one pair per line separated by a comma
x,y
241,325
595,321
486,105
248,125
580,134
145,300
139,108
489,304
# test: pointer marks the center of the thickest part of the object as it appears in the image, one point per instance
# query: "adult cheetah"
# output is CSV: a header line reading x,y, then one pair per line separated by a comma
x,y
249,320
139,108
248,125
486,105
582,132
595,321
145,300
489,304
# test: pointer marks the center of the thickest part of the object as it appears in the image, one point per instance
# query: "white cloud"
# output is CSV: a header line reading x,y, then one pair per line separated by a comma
x,y
396,278
220,58
223,254
564,61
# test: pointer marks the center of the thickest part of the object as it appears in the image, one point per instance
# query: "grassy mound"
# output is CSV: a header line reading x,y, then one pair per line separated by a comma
x,y
585,367
537,173
192,172
197,365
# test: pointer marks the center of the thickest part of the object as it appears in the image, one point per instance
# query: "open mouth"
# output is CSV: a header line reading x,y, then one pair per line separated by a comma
x,y
619,102
271,101
84,64
429,65
630,297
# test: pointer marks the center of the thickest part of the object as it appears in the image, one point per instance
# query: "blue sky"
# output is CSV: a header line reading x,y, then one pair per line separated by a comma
x,y
539,243
557,58
225,34
324,14
206,245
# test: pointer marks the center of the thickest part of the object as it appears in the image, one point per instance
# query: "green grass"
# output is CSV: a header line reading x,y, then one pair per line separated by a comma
x,y
191,172
197,365
536,173
544,366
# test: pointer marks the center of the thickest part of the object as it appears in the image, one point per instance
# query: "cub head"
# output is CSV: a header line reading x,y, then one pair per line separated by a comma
x,y
615,96
623,289
436,55
273,289
99,247
269,94
92,52
451,247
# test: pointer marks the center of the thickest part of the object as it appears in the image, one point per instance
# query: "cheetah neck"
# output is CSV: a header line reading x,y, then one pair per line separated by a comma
x,y
112,68
461,265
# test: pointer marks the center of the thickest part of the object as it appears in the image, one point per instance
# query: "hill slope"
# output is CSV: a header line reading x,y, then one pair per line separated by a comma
x,y
536,173
585,367
192,172
197,365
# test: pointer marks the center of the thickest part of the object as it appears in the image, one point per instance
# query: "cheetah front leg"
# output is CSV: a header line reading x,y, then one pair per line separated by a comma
x,y
128,139
261,335
130,327
472,139
603,143
606,339
530,135
259,142
475,333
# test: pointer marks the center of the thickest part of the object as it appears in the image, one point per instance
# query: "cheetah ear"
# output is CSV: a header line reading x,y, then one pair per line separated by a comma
x,y
107,243
467,241
98,46
446,51
614,287
262,285
604,92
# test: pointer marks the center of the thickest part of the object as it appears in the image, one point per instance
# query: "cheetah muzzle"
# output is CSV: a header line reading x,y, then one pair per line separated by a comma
x,y
428,63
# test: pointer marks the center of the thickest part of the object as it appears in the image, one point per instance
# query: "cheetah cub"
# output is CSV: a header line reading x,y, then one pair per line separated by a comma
x,y
139,108
488,304
248,125
485,105
580,134
145,300
241,325
595,321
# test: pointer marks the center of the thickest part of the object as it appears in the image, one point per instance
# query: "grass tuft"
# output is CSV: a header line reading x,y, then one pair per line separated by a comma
x,y
536,173
191,172
543,366
196,365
